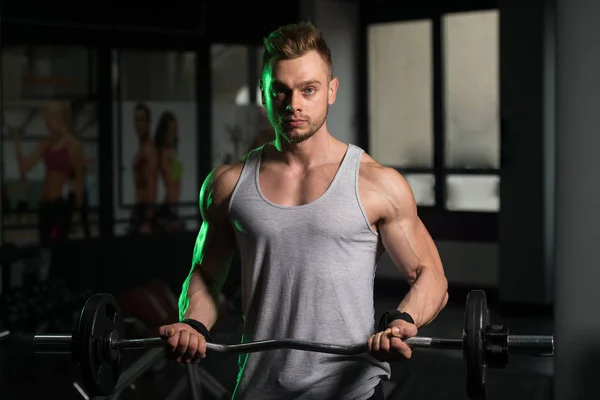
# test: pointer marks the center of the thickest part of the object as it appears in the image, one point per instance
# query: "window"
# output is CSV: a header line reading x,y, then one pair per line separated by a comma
x,y
400,102
49,119
156,121
471,126
239,121
432,83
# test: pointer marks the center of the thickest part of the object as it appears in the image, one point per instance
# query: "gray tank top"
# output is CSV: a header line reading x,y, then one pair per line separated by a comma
x,y
307,274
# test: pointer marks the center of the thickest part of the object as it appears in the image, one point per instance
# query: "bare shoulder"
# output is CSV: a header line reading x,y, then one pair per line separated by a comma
x,y
219,185
386,182
226,177
380,175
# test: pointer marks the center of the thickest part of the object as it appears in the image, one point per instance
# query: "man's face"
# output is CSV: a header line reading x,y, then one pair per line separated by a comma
x,y
297,94
141,122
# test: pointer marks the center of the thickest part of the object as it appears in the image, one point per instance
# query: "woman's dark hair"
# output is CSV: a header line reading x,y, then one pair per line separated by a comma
x,y
162,129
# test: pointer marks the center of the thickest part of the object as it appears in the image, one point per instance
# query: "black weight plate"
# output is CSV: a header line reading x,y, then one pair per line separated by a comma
x,y
476,318
100,368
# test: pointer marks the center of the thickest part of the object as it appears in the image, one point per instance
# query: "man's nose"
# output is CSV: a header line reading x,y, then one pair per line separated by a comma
x,y
295,103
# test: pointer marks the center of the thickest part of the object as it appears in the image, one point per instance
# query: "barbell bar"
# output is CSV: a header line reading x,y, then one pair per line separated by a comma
x,y
519,344
62,344
97,343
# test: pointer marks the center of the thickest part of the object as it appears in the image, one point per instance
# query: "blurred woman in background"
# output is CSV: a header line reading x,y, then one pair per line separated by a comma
x,y
62,155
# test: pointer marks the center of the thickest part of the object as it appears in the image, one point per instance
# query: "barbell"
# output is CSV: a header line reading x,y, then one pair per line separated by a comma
x,y
97,344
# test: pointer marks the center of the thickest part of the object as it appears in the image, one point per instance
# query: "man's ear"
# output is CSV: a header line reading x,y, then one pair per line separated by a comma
x,y
333,88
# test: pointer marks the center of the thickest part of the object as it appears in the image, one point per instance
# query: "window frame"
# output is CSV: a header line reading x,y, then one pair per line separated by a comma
x,y
443,224
118,115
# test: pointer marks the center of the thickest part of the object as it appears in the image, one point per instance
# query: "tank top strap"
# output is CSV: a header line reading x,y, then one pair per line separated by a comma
x,y
251,165
348,171
246,184
353,157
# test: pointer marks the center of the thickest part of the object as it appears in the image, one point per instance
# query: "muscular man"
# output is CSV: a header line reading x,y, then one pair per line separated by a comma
x,y
311,217
145,173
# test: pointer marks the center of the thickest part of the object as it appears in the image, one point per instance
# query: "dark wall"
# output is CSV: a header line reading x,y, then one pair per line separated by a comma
x,y
144,27
527,142
114,265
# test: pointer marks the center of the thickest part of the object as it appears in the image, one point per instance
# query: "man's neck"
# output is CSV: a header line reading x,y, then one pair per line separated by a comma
x,y
316,150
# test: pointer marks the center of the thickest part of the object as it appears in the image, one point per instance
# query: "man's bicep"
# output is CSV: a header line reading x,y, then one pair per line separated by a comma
x,y
214,250
403,235
404,245
215,244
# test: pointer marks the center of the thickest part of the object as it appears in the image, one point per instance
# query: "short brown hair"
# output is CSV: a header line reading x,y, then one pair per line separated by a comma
x,y
293,41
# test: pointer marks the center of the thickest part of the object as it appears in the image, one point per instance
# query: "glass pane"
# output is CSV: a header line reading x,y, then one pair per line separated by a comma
x,y
400,94
242,97
47,73
473,193
50,145
471,77
264,132
158,76
238,124
423,187
156,124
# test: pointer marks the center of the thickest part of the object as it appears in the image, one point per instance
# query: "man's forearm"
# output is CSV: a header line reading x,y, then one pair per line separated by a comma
x,y
199,300
426,298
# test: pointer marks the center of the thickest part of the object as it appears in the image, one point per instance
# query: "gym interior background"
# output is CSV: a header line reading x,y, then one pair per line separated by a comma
x,y
487,110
